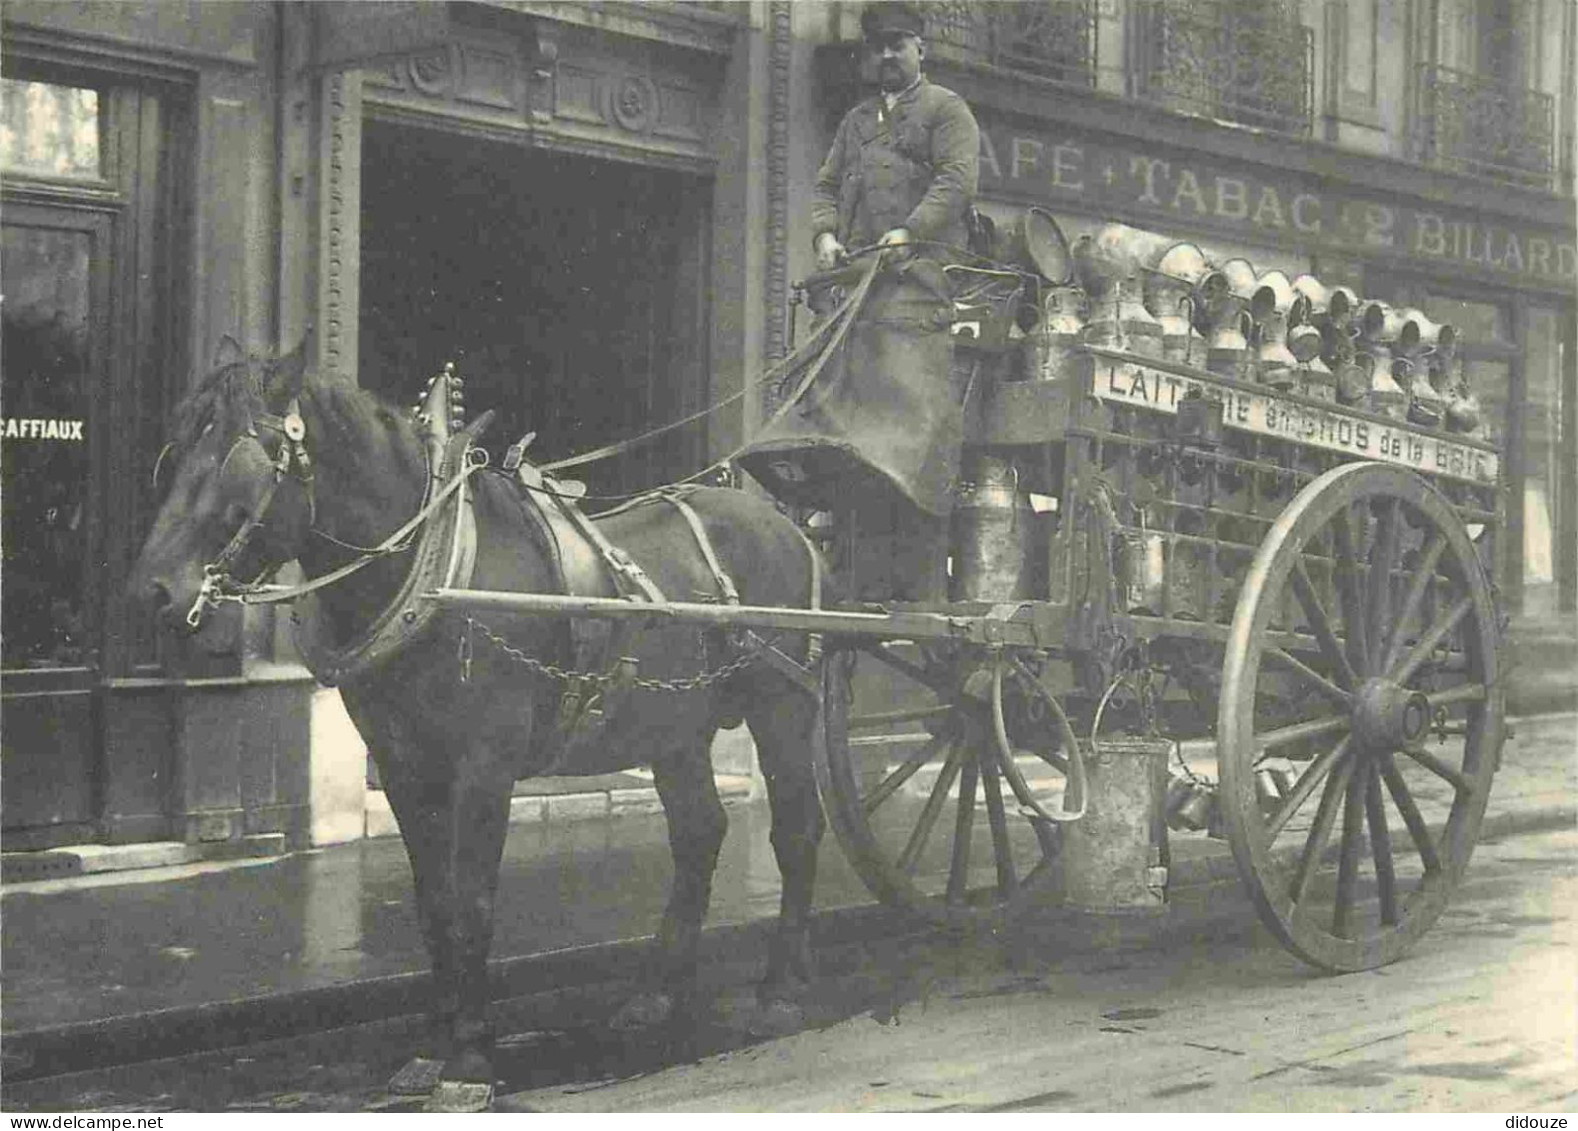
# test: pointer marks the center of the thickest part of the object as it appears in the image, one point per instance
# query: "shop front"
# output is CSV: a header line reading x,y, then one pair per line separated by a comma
x,y
544,195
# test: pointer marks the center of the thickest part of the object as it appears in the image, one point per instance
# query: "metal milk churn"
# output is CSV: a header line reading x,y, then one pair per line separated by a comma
x,y
1058,333
1115,857
1381,328
993,534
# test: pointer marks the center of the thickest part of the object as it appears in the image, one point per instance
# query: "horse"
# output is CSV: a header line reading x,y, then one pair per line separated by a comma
x,y
273,464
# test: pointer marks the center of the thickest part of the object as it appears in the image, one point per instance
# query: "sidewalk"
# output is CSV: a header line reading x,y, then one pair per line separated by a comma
x,y
114,966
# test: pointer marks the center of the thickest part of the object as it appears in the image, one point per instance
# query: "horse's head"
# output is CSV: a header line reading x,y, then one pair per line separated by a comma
x,y
238,492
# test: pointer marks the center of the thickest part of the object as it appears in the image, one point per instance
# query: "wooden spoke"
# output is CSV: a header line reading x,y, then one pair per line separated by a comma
x,y
1007,880
1320,624
1331,799
910,857
1305,786
1382,562
1353,609
1413,599
891,718
926,677
1380,846
1441,770
1348,861
1404,801
1311,728
1309,675
1431,640
964,822
907,769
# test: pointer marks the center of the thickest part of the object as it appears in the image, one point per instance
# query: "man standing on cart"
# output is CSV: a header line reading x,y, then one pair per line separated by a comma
x,y
876,438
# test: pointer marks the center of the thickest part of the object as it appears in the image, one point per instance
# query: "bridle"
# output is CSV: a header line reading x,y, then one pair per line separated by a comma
x,y
291,461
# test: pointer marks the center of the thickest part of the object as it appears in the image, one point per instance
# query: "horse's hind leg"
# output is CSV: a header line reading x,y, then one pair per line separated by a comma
x,y
696,827
782,725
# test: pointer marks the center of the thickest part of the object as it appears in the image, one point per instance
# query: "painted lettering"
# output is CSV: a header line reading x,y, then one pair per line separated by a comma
x,y
1468,246
1268,209
1301,221
1232,198
1378,222
1026,156
1066,165
1566,259
1540,256
1429,234
1145,168
1189,186
1512,258
989,156
24,428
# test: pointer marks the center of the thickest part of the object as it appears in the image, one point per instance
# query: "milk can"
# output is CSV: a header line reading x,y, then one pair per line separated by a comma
x,y
1115,857
1058,333
993,534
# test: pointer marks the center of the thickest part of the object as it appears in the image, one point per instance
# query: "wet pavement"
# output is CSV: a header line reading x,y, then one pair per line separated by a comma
x,y
165,945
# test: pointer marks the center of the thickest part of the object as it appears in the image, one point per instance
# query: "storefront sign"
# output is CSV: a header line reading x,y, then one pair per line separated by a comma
x,y
1267,415
19,428
1184,192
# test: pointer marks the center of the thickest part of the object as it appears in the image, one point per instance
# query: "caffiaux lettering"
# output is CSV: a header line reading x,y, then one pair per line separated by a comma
x,y
23,428
1063,167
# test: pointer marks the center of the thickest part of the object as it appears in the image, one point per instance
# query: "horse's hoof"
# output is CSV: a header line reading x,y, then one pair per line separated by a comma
x,y
776,1017
417,1077
459,1097
643,1011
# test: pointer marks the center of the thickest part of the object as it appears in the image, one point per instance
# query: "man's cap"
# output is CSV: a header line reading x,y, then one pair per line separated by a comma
x,y
887,17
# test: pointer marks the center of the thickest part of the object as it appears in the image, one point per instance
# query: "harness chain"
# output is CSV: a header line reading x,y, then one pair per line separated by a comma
x,y
698,682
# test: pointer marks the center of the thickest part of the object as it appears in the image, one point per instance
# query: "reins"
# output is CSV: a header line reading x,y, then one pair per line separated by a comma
x,y
835,328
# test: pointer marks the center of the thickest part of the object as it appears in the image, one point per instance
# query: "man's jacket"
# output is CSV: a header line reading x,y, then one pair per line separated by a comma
x,y
914,167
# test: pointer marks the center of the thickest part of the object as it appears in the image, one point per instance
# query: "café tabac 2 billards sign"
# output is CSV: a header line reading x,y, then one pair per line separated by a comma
x,y
1245,202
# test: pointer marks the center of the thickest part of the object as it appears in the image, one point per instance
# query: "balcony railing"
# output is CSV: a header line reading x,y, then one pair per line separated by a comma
x,y
1249,62
1477,124
1051,39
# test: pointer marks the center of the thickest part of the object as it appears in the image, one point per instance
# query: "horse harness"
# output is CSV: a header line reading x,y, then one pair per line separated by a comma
x,y
291,460
584,561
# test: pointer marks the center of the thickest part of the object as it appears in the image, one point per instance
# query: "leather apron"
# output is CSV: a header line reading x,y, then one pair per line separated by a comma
x,y
885,416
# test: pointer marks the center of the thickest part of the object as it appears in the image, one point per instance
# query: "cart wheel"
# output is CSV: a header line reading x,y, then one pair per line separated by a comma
x,y
1362,666
923,805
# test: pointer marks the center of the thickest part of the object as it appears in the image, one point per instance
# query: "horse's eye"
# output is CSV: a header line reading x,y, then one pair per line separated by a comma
x,y
235,515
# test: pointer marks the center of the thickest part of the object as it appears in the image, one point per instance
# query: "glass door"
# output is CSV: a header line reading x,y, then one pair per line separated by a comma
x,y
51,523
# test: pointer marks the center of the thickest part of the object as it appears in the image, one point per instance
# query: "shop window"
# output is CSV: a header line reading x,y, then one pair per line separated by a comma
x,y
1549,533
44,454
49,130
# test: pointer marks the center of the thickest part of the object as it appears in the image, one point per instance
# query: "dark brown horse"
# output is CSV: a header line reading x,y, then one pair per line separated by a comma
x,y
310,469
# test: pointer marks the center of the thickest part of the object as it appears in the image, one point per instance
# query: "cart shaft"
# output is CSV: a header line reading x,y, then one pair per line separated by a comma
x,y
1015,625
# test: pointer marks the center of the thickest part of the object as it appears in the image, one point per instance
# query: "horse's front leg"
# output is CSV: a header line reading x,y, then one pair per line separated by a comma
x,y
454,824
696,827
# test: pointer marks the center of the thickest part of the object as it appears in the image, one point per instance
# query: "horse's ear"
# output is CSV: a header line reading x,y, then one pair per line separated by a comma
x,y
228,353
288,373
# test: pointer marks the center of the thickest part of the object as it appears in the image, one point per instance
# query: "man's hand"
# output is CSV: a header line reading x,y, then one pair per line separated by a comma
x,y
901,243
829,252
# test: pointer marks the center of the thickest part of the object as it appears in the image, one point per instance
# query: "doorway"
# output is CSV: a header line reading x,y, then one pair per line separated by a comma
x,y
569,291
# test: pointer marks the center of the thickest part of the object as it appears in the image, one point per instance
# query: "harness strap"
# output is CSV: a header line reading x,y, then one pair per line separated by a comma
x,y
725,583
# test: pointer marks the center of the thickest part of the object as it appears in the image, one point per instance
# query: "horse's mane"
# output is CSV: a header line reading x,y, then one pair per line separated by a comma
x,y
233,395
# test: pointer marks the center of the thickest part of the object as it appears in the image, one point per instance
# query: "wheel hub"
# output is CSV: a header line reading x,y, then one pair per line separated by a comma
x,y
1388,716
